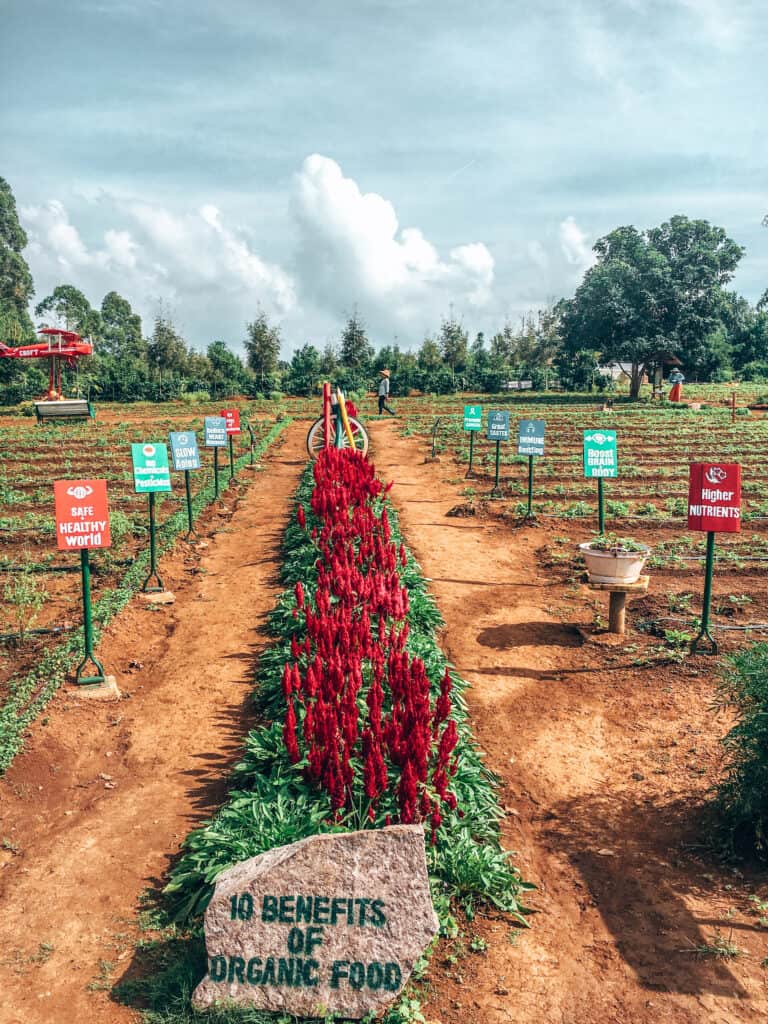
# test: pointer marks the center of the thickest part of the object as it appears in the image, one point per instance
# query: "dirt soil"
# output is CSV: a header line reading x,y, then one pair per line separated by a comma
x,y
96,806
603,767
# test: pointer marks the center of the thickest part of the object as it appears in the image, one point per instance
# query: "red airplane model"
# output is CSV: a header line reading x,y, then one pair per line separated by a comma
x,y
58,345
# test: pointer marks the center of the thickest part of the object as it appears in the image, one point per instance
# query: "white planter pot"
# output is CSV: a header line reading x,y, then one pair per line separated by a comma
x,y
614,567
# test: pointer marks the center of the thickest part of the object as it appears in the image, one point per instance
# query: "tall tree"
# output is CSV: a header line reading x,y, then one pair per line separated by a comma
x,y
262,346
167,350
71,310
650,291
16,286
454,344
356,350
120,329
226,370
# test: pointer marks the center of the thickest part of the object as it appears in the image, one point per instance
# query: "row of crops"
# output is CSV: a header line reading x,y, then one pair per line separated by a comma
x,y
364,725
40,599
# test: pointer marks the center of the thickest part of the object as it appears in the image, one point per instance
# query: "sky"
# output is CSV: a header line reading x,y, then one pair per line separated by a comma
x,y
408,160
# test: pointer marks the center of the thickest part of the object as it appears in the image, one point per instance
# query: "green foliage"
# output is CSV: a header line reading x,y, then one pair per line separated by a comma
x,y
16,286
25,595
742,796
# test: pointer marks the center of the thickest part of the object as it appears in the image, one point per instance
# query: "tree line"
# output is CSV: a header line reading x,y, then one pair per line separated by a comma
x,y
649,295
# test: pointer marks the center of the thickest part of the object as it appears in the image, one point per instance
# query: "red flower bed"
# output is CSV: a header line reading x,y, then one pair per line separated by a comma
x,y
359,707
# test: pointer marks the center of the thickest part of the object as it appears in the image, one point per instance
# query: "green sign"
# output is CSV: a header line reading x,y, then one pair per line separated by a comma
x,y
530,437
150,468
473,417
600,458
498,425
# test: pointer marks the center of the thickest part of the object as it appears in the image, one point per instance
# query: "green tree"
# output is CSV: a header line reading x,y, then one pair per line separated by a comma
x,y
120,329
304,371
429,357
262,347
226,370
649,291
71,310
16,286
167,350
356,350
454,342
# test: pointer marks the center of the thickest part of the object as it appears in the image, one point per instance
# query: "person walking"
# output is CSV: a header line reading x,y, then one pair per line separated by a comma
x,y
384,393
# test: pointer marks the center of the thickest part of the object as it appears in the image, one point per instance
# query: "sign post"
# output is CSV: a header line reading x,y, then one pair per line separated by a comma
x,y
714,506
498,431
530,442
151,473
82,521
232,416
473,421
600,461
215,437
186,456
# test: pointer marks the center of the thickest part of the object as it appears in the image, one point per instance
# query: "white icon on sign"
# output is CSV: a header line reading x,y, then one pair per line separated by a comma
x,y
715,474
183,439
79,492
148,449
597,438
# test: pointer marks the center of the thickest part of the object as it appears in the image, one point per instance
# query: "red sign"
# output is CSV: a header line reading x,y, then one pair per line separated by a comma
x,y
714,497
82,516
232,416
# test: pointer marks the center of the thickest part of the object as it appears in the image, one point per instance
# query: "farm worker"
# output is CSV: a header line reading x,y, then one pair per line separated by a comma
x,y
676,380
384,393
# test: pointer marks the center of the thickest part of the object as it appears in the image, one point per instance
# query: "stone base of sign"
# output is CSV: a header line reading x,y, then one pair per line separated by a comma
x,y
96,691
161,597
432,458
331,924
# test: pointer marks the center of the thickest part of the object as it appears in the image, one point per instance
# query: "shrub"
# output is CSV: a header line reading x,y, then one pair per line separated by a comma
x,y
742,796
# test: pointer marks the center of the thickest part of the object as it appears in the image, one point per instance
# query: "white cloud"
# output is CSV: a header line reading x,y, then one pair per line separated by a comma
x,y
574,244
352,249
193,261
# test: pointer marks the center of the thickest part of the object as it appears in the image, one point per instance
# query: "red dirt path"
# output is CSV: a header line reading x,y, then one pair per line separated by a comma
x,y
104,793
601,766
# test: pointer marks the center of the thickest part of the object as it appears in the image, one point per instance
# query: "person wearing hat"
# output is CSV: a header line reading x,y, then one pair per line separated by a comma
x,y
676,379
384,393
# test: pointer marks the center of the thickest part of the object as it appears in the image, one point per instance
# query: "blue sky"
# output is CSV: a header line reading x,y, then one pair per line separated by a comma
x,y
405,158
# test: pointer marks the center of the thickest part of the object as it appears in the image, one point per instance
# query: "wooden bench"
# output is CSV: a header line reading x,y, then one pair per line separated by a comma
x,y
64,409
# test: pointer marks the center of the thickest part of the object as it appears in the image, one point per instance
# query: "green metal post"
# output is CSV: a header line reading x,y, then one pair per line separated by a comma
x,y
188,489
146,589
600,506
471,452
530,486
215,472
83,680
707,603
231,458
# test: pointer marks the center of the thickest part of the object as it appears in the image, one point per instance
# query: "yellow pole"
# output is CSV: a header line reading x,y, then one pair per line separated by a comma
x,y
344,417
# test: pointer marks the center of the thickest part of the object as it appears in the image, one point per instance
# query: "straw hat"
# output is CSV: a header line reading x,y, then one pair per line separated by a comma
x,y
384,373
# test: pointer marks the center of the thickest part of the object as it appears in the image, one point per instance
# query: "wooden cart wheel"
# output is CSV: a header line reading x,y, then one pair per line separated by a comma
x,y
316,437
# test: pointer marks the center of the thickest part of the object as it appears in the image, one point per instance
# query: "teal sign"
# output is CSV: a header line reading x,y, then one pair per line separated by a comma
x,y
600,459
151,471
184,450
498,425
473,417
215,432
530,437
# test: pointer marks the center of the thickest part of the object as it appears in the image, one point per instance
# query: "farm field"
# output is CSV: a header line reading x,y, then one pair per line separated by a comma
x,y
605,747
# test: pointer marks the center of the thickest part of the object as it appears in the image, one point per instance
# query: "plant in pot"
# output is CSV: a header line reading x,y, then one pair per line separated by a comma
x,y
612,559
